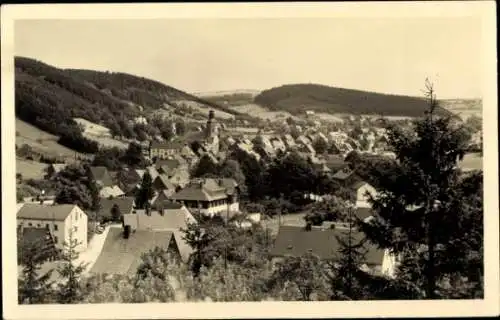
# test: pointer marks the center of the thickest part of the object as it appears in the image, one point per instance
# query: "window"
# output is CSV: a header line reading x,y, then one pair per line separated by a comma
x,y
30,224
76,216
75,229
38,225
55,227
55,239
46,225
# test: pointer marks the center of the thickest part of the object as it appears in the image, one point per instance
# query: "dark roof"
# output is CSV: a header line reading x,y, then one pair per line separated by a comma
x,y
296,241
123,256
37,211
125,204
39,239
164,181
167,163
363,213
98,173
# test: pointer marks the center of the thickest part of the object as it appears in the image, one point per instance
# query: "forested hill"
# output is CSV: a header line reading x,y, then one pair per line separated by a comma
x,y
48,98
296,98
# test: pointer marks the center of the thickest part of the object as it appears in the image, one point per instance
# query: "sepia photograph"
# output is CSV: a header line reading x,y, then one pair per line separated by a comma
x,y
297,155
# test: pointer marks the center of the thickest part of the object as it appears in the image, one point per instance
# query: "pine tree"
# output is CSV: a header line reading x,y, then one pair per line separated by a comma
x,y
33,288
347,269
423,214
146,192
69,290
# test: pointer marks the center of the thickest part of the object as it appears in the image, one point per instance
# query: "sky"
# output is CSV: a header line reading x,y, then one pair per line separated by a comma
x,y
391,55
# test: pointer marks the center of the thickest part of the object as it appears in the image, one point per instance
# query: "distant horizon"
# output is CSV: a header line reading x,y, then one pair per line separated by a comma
x,y
225,91
383,55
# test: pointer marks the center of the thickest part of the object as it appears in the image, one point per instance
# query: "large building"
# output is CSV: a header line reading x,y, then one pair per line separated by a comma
x,y
210,196
64,221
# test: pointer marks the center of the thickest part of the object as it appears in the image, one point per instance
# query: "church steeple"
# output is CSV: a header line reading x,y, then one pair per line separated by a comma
x,y
210,130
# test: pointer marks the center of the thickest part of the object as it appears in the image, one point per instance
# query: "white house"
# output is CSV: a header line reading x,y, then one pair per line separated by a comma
x,y
62,220
361,191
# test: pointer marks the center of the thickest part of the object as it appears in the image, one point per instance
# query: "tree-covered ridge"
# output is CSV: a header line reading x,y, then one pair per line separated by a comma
x,y
49,98
296,98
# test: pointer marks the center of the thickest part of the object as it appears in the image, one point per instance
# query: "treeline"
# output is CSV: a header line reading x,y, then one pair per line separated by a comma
x,y
296,98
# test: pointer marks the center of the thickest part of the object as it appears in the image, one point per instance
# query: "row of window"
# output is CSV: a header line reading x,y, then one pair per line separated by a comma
x,y
47,226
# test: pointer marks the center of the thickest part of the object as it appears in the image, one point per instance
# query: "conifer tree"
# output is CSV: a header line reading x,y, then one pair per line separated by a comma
x,y
33,288
69,290
423,214
146,192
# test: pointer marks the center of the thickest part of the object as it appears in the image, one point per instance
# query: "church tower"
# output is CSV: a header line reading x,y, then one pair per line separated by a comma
x,y
210,130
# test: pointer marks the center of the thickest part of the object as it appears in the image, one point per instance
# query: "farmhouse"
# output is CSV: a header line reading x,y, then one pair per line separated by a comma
x,y
323,242
62,221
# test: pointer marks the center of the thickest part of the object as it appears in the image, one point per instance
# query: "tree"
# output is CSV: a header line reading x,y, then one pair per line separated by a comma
x,y
347,270
133,157
424,213
320,145
34,288
74,186
331,209
145,193
180,127
69,289
109,158
300,278
231,169
205,168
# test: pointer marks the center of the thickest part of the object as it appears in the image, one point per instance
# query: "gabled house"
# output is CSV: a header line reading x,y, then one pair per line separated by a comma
x,y
101,176
360,193
55,168
210,196
60,220
125,252
125,206
346,177
296,241
162,150
111,192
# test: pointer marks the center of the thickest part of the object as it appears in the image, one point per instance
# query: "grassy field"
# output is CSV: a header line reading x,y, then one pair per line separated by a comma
x,y
262,113
204,109
30,169
40,140
464,108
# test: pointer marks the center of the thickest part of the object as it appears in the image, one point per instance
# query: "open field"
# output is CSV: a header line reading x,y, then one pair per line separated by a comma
x,y
30,169
107,142
263,113
204,109
472,161
41,141
464,108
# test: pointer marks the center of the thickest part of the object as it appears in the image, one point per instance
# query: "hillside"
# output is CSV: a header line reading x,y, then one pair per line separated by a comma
x,y
296,98
49,98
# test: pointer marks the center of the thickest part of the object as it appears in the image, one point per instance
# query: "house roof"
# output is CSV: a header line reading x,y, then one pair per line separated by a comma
x,y
98,173
197,193
296,241
113,191
163,179
123,256
364,212
36,211
125,204
58,166
42,237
